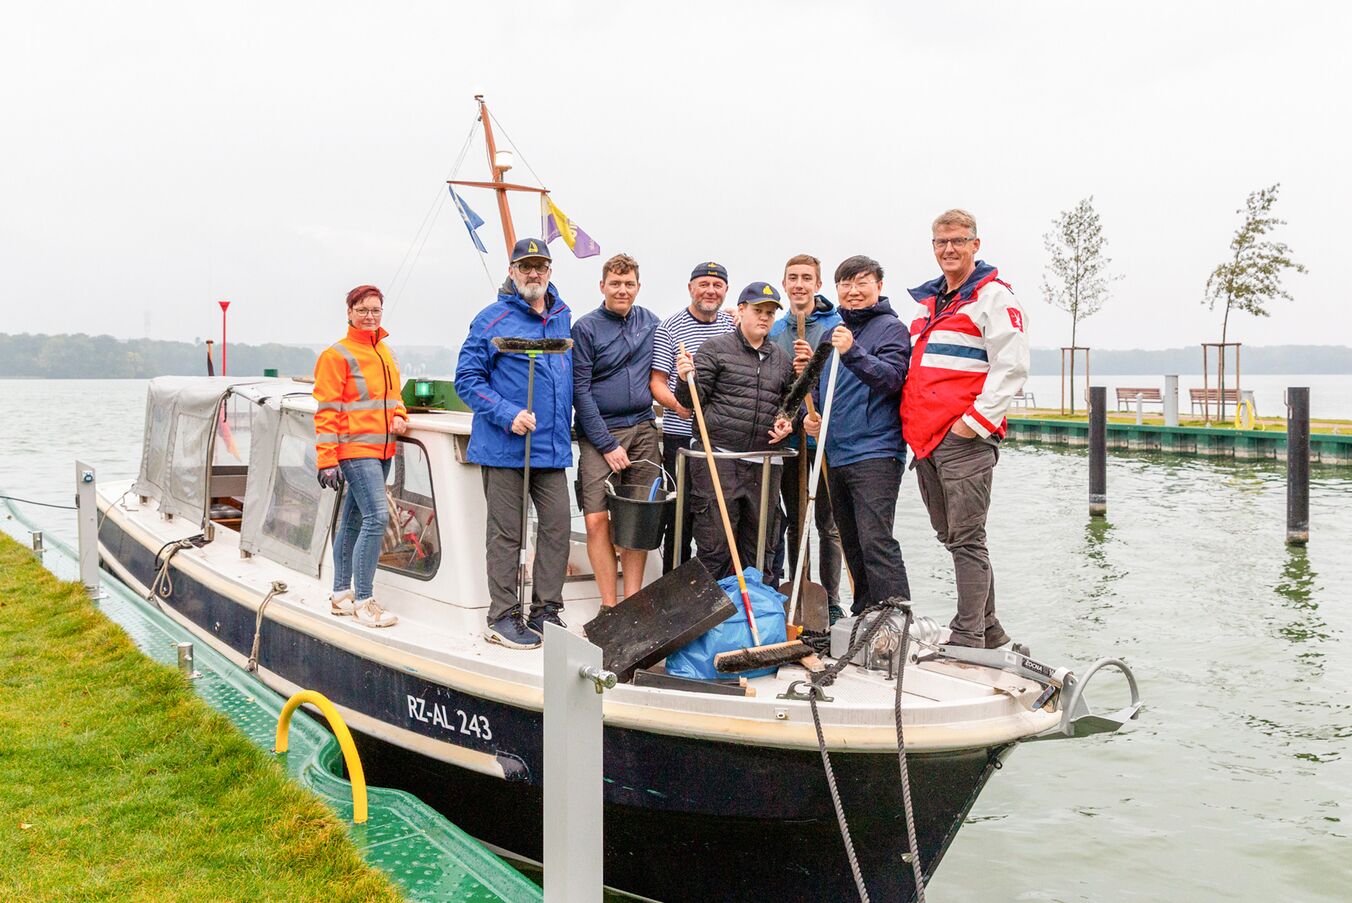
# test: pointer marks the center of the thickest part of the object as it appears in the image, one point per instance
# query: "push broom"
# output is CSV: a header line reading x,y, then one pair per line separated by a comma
x,y
532,348
755,656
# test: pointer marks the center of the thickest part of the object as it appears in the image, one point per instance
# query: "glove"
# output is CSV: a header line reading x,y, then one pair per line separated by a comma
x,y
331,478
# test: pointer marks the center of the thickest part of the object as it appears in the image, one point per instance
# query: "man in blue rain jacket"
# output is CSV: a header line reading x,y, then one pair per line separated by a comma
x,y
493,384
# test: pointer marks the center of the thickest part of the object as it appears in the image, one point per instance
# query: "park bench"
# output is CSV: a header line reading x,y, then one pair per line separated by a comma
x,y
1127,396
1023,400
1211,398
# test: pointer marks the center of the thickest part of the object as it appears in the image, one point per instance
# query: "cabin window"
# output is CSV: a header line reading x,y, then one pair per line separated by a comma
x,y
188,459
412,542
293,508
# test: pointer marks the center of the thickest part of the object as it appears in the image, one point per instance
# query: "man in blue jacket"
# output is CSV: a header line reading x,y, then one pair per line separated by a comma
x,y
616,430
493,384
802,281
863,443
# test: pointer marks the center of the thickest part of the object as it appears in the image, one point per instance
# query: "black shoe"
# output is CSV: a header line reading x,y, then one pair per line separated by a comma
x,y
510,632
548,612
834,613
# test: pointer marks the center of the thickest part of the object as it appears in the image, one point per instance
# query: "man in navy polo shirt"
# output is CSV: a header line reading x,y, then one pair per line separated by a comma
x,y
703,319
616,428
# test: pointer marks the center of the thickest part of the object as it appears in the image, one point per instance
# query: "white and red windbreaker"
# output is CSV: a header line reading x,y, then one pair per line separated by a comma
x,y
969,362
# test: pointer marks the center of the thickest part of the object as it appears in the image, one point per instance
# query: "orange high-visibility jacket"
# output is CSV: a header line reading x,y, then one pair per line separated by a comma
x,y
357,387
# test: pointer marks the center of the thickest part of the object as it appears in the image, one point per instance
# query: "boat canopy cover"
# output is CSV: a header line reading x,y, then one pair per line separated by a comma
x,y
181,420
286,514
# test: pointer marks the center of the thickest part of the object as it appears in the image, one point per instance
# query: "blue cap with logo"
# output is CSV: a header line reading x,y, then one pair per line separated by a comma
x,y
709,268
759,293
530,247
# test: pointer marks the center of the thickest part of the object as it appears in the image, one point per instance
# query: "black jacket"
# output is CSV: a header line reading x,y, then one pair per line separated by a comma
x,y
740,389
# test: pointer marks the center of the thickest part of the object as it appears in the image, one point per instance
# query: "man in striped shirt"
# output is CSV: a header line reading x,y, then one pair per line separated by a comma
x,y
703,319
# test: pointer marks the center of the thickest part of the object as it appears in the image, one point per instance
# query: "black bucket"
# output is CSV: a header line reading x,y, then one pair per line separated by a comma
x,y
635,522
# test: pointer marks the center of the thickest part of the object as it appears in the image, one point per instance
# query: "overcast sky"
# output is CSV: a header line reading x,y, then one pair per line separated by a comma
x,y
159,157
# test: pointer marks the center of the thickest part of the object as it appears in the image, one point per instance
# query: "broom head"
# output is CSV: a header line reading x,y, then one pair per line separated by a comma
x,y
513,345
756,657
805,381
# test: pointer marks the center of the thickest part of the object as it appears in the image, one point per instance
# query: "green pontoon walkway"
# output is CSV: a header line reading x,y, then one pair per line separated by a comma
x,y
427,856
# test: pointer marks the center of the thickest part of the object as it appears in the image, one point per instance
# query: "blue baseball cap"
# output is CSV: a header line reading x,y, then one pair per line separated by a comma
x,y
530,247
759,293
709,268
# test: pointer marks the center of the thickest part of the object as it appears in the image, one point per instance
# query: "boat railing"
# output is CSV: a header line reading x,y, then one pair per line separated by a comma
x,y
767,457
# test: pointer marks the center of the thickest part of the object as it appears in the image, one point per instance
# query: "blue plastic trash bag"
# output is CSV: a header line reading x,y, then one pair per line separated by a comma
x,y
696,659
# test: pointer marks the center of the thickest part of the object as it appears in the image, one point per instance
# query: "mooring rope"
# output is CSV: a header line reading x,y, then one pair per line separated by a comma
x,y
819,683
162,586
278,587
15,498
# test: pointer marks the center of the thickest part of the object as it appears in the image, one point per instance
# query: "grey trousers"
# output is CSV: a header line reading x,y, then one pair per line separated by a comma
x,y
549,495
955,485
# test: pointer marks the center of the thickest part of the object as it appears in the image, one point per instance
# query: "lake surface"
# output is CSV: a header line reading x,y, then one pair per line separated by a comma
x,y
1236,782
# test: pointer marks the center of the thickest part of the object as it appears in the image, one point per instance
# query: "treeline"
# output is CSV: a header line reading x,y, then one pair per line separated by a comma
x,y
1254,359
80,356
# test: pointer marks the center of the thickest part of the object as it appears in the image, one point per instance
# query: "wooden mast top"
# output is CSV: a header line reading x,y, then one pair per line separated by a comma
x,y
499,185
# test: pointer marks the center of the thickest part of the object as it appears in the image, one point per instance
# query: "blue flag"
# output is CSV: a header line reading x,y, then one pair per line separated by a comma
x,y
472,219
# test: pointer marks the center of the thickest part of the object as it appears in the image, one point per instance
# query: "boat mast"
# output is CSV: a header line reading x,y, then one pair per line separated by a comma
x,y
498,184
508,233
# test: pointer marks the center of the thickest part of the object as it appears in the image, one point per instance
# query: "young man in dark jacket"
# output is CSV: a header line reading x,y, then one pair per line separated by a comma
x,y
802,282
493,384
616,430
741,378
863,444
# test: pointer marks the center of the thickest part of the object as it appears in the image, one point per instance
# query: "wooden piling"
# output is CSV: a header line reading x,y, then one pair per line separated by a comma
x,y
1098,451
1298,465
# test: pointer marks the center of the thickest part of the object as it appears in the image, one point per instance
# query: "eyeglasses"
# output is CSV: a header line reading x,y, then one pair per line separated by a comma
x,y
367,313
861,284
533,267
957,243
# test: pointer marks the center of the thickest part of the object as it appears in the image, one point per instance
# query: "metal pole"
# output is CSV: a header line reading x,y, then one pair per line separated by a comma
x,y
679,518
1139,415
764,514
224,306
1171,400
87,527
573,771
1298,465
1098,448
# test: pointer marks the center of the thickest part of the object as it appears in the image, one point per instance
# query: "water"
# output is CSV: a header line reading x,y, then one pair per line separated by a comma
x,y
1236,782
1330,393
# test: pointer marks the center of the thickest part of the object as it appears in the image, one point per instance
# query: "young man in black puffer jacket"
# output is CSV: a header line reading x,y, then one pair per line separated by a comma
x,y
741,378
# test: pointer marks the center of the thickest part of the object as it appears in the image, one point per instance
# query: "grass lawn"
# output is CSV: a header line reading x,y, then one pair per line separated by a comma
x,y
118,783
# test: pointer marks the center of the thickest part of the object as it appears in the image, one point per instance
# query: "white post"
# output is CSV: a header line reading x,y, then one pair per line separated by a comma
x,y
1171,400
87,527
573,772
1139,402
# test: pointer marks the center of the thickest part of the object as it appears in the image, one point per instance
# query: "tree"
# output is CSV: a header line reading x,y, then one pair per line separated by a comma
x,y
1252,276
1078,269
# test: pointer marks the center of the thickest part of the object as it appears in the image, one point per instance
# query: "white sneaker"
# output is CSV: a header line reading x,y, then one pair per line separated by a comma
x,y
369,614
343,604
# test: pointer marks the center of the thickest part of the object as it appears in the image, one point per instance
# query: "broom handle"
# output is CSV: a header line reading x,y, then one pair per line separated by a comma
x,y
803,564
722,505
817,463
525,491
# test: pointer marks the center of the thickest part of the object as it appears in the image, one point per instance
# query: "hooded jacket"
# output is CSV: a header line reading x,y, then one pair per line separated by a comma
x,y
493,383
357,391
865,422
969,361
817,325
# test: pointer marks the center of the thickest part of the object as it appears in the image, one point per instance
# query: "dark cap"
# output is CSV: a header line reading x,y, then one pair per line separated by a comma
x,y
759,293
709,268
530,247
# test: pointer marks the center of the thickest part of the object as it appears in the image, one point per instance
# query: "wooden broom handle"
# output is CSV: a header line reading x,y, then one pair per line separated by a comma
x,y
718,494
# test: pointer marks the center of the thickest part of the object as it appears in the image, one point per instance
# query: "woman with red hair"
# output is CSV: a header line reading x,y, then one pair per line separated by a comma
x,y
359,415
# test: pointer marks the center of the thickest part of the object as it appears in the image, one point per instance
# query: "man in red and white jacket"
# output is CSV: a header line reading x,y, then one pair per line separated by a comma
x,y
969,358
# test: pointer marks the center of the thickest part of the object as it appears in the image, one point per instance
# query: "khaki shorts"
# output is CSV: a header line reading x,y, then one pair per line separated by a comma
x,y
640,442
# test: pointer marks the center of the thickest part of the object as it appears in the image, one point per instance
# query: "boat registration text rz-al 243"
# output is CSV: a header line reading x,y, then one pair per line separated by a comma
x,y
436,715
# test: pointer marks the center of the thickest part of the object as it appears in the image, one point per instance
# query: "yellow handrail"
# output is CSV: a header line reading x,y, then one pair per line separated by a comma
x,y
354,772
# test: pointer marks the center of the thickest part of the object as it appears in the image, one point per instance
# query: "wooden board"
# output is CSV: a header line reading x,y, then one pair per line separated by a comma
x,y
659,619
665,681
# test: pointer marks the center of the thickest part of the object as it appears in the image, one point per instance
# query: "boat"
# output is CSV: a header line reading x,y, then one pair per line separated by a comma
x,y
707,796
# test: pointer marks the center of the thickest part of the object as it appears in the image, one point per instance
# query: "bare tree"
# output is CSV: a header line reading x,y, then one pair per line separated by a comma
x,y
1253,275
1078,269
